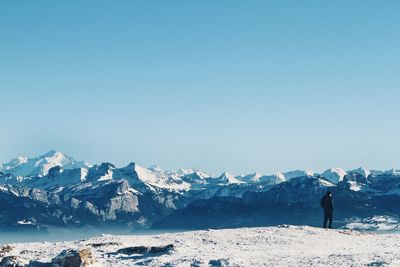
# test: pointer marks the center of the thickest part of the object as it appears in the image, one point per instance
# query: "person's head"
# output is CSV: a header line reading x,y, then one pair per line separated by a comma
x,y
329,193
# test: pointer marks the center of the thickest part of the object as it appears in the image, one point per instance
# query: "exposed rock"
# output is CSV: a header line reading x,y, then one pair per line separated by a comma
x,y
13,261
220,263
74,258
40,264
144,250
5,249
98,245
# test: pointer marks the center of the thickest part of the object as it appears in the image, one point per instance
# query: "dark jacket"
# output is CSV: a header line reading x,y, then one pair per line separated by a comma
x,y
327,203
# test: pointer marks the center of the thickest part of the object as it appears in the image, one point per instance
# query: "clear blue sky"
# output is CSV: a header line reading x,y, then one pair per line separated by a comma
x,y
219,85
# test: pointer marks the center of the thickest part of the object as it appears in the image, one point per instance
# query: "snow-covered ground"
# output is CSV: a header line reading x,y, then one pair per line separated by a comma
x,y
374,223
268,246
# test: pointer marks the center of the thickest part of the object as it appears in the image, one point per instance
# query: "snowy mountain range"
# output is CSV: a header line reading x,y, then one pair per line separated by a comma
x,y
55,189
40,166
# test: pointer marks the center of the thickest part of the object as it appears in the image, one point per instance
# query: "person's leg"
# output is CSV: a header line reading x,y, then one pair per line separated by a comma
x,y
330,219
325,219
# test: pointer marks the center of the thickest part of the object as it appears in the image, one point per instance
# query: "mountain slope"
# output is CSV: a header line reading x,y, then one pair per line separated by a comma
x,y
265,246
62,191
39,166
293,202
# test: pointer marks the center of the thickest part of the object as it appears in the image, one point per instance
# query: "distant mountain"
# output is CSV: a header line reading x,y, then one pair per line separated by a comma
x,y
55,189
362,171
334,175
260,178
293,202
104,194
297,173
40,166
227,178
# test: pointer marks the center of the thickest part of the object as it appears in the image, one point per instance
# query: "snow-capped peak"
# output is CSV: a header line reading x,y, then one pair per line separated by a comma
x,y
280,176
53,153
24,169
253,177
394,172
160,178
156,168
334,175
228,178
182,172
362,171
294,174
40,165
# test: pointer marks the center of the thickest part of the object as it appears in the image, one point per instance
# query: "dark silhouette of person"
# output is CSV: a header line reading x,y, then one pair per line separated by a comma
x,y
327,205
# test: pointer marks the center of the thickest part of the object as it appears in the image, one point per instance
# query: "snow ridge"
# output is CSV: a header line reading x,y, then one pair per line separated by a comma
x,y
40,165
24,170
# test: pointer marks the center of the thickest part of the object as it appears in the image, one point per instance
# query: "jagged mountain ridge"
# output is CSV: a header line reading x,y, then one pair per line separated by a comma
x,y
76,193
103,193
40,165
26,169
293,202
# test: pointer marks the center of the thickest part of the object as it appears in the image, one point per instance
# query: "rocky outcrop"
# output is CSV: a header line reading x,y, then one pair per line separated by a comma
x,y
5,249
99,245
296,201
146,250
74,258
13,261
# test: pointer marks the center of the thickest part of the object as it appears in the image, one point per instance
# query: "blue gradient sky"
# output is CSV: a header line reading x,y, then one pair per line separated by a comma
x,y
219,85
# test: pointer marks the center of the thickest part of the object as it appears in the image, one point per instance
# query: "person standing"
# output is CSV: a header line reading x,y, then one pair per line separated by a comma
x,y
327,205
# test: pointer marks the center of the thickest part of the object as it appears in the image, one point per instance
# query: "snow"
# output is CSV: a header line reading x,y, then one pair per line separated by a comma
x,y
250,178
156,168
227,178
355,186
274,178
285,176
27,171
267,246
297,173
326,183
260,178
161,179
24,222
280,175
84,174
182,172
375,223
107,176
393,172
134,191
362,171
334,175
40,165
64,178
